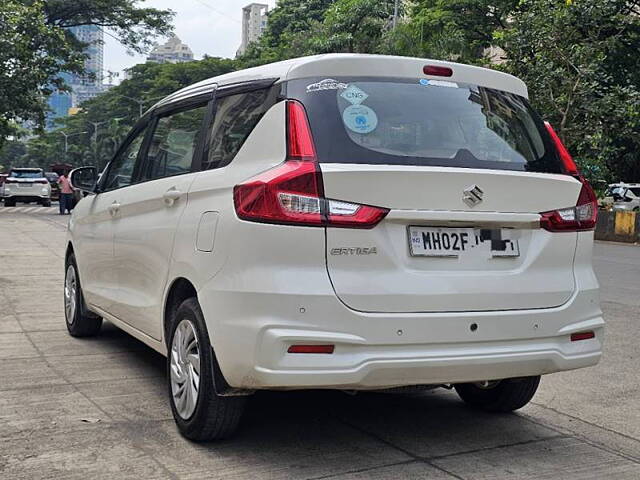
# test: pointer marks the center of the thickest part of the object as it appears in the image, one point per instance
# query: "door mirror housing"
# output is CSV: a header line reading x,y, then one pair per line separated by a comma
x,y
84,179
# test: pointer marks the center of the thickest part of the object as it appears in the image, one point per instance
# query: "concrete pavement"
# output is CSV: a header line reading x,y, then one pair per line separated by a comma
x,y
98,408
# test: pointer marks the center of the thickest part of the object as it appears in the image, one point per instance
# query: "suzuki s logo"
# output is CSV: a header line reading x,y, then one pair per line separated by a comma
x,y
472,195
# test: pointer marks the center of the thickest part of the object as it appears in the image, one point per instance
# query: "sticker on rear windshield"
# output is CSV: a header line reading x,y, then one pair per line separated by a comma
x,y
354,95
360,119
326,84
438,83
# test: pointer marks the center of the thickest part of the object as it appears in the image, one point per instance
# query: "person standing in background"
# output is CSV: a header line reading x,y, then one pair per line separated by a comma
x,y
66,194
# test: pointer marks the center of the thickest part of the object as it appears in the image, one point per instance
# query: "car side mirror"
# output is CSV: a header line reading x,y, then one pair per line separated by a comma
x,y
84,179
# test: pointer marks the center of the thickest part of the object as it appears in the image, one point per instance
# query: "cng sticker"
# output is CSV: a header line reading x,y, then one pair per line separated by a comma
x,y
354,95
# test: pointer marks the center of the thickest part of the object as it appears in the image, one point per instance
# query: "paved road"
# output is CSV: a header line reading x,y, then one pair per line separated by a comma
x,y
97,408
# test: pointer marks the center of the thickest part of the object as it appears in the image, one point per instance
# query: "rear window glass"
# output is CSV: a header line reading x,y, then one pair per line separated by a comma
x,y
26,174
423,122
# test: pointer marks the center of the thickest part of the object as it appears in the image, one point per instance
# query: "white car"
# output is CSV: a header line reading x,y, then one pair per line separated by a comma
x,y
347,222
27,185
624,197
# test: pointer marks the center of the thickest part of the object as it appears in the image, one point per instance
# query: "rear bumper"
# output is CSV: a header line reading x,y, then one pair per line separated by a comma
x,y
26,197
423,364
374,351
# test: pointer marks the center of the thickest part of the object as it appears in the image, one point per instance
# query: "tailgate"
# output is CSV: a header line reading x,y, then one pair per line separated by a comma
x,y
378,270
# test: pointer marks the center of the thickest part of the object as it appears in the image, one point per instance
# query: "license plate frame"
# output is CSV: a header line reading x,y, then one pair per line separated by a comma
x,y
453,242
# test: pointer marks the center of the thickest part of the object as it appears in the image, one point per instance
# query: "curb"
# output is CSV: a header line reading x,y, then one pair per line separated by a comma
x,y
618,226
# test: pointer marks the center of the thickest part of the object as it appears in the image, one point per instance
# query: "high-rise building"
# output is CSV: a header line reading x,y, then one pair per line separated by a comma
x,y
174,51
254,22
83,87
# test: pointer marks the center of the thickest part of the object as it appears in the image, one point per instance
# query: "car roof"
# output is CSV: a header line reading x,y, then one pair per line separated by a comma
x,y
26,169
354,64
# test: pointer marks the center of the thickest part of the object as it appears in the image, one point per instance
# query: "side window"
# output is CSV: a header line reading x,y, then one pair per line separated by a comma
x,y
173,144
121,169
236,117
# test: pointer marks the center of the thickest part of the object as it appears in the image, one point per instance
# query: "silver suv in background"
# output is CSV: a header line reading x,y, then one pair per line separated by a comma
x,y
27,185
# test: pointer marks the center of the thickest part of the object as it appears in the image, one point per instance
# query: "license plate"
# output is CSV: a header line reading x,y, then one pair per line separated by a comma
x,y
25,184
455,242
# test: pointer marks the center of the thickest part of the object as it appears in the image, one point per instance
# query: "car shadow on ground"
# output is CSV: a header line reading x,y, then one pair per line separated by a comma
x,y
429,424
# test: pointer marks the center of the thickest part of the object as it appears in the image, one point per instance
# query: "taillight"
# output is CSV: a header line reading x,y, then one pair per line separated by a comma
x,y
292,193
44,181
571,219
8,180
289,193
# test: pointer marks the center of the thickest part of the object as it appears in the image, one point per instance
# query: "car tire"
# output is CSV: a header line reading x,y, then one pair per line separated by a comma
x,y
9,203
46,203
501,396
199,413
80,322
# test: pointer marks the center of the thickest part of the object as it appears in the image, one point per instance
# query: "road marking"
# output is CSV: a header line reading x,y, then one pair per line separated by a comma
x,y
30,210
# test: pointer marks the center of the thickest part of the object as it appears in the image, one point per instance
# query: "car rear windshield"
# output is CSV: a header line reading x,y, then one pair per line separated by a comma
x,y
26,174
423,122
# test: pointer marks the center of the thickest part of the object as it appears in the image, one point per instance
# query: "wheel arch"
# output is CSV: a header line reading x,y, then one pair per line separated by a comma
x,y
69,251
180,289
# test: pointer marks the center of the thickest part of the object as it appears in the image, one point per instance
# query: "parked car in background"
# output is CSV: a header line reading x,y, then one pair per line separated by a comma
x,y
350,222
3,177
626,196
53,181
27,185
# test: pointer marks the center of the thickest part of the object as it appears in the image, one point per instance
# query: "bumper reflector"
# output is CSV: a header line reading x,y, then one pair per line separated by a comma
x,y
575,337
311,349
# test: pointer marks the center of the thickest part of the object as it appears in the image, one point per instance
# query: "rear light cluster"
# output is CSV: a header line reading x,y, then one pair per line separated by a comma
x,y
572,219
293,193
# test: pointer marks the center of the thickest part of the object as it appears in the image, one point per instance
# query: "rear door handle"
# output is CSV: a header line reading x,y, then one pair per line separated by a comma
x,y
114,208
171,195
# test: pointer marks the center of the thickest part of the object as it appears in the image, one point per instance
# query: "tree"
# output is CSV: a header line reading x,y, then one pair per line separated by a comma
x,y
10,154
35,47
357,26
580,60
460,30
108,118
290,26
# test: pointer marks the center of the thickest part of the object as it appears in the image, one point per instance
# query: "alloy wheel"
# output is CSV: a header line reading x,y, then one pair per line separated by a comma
x,y
185,369
70,297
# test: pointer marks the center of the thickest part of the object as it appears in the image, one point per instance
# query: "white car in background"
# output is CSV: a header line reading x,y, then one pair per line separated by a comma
x,y
27,185
350,222
625,197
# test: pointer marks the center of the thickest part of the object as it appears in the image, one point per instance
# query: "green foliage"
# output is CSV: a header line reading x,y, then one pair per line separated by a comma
x,y
580,60
35,48
32,52
11,154
108,118
355,26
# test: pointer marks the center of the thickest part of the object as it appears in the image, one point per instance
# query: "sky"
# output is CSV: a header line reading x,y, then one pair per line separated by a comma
x,y
211,27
